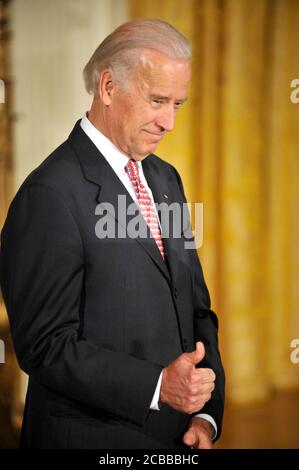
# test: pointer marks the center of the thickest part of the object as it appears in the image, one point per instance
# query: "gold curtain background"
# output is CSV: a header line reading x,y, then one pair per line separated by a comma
x,y
236,146
9,376
5,124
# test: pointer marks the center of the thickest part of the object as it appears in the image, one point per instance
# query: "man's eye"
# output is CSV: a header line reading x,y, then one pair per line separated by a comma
x,y
177,105
157,101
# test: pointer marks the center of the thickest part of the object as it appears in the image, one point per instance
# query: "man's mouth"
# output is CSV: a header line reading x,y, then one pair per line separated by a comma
x,y
154,134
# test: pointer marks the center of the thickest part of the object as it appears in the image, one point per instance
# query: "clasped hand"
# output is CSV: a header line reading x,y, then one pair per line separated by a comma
x,y
185,387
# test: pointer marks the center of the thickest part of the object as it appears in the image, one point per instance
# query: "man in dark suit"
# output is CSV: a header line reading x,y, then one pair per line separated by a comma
x,y
110,318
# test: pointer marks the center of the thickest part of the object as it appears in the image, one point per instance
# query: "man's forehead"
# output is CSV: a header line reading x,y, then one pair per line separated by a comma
x,y
151,59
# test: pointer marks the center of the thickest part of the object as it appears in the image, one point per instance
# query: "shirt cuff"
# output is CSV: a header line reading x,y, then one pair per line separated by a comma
x,y
155,400
211,421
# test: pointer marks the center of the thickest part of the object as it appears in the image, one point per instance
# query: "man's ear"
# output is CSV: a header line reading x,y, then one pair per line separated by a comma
x,y
106,87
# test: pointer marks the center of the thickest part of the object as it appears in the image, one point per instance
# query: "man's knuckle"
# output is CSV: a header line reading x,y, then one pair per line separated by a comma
x,y
213,376
193,391
189,409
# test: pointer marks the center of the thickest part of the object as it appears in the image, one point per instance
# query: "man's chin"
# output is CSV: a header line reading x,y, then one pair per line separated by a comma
x,y
146,152
152,147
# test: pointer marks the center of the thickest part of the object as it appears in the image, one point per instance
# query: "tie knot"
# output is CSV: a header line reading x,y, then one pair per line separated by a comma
x,y
132,169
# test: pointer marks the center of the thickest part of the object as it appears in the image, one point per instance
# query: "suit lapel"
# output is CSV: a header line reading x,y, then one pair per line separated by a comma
x,y
97,170
162,194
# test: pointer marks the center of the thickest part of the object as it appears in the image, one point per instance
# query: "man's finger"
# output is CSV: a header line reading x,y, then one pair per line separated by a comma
x,y
191,438
205,375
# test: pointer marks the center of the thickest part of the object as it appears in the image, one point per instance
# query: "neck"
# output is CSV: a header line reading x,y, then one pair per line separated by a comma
x,y
97,117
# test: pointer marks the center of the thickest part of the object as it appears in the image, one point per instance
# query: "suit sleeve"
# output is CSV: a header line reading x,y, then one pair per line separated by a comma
x,y
206,330
42,273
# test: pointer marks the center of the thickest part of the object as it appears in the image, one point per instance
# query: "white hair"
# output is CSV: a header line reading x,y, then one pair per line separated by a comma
x,y
120,52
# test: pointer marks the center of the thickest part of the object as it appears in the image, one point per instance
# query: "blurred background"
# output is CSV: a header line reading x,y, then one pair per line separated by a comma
x,y
236,146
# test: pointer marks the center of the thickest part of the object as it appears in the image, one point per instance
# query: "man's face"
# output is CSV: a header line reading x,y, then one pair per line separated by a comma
x,y
144,111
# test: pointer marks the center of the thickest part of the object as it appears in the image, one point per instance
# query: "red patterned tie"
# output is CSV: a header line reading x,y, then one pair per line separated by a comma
x,y
145,203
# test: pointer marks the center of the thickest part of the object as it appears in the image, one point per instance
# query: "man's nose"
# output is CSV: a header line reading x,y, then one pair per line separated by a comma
x,y
166,118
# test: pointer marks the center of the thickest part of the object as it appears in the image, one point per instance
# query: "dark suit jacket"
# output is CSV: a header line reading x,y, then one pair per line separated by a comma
x,y
94,320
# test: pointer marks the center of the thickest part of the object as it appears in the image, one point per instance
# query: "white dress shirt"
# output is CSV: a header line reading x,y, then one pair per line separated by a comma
x,y
117,160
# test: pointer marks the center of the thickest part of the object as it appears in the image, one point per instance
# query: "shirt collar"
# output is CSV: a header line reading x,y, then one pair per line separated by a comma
x,y
112,154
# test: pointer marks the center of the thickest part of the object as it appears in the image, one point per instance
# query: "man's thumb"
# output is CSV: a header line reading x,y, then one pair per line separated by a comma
x,y
199,353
